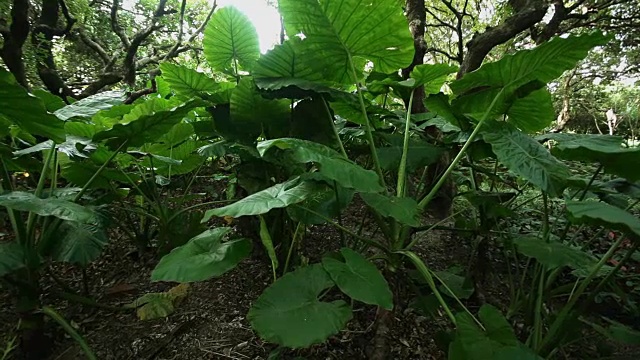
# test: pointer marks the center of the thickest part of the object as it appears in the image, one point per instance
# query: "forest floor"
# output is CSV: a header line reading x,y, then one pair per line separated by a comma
x,y
210,323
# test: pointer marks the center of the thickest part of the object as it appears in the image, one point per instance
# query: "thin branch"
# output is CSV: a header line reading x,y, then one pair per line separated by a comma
x,y
481,44
129,62
442,52
93,45
115,26
175,47
204,23
140,93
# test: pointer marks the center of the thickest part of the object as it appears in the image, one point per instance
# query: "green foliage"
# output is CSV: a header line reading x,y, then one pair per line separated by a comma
x,y
289,312
145,128
14,103
230,42
337,35
332,165
62,209
275,197
186,81
358,278
203,257
599,213
404,210
527,158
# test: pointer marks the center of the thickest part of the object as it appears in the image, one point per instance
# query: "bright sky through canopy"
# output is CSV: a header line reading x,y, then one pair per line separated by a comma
x,y
265,18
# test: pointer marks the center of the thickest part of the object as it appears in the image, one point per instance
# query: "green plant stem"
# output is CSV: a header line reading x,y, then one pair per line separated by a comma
x,y
333,127
97,173
557,326
424,271
17,224
43,176
613,272
537,316
368,241
189,208
424,202
367,126
432,227
70,330
296,235
402,168
192,180
446,287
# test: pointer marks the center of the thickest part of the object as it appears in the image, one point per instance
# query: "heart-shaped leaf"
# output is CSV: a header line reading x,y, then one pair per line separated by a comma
x,y
526,157
230,41
290,314
277,196
332,165
203,257
359,278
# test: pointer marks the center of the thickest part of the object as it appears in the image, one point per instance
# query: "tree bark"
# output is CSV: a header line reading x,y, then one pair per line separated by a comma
x,y
14,38
42,39
481,44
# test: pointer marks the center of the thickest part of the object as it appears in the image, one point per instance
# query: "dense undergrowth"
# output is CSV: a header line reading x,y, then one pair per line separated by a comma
x,y
298,134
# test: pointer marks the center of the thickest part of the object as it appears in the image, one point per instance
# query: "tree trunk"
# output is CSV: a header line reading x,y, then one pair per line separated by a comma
x,y
42,39
14,39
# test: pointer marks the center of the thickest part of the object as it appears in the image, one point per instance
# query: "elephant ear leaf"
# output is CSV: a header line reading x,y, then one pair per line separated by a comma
x,y
290,314
26,111
231,42
339,33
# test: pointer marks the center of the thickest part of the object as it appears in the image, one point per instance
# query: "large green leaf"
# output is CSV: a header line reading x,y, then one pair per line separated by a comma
x,y
533,112
554,254
324,201
203,257
599,213
420,153
338,32
69,147
230,41
252,115
27,111
403,209
604,149
80,243
79,173
526,157
534,67
432,76
62,209
289,313
89,106
281,67
146,128
277,196
498,338
332,165
186,81
359,278
310,121
11,258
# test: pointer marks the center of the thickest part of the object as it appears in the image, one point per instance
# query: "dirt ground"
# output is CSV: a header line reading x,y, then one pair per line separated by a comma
x,y
211,324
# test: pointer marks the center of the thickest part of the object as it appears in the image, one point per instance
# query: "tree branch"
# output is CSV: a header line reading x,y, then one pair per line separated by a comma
x,y
129,62
175,47
481,44
115,26
93,45
42,37
204,23
14,38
